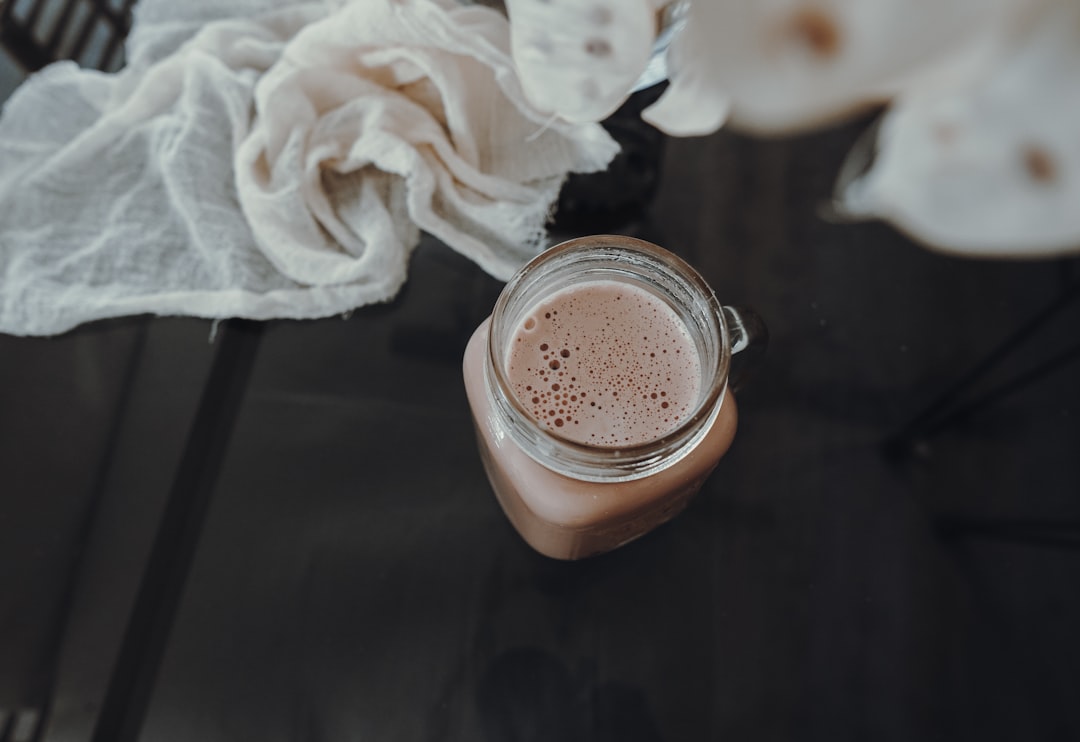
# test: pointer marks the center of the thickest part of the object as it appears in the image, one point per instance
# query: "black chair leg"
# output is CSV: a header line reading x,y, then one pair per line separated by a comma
x,y
950,408
179,530
45,31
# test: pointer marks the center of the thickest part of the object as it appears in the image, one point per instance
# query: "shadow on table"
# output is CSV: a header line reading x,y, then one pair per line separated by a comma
x,y
529,694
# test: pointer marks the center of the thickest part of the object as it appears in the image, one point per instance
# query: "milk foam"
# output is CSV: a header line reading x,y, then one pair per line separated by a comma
x,y
604,363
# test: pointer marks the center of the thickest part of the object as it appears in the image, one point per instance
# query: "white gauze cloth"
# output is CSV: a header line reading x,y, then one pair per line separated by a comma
x,y
273,160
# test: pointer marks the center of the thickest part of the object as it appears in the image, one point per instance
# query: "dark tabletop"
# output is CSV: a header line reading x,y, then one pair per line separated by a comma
x,y
330,563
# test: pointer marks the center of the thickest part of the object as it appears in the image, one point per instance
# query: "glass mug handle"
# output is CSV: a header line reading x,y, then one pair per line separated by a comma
x,y
749,338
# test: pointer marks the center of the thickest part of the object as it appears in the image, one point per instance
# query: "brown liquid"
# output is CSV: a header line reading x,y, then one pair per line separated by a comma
x,y
604,363
568,518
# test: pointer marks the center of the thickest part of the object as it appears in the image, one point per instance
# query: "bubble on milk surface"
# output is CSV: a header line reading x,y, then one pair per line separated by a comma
x,y
591,364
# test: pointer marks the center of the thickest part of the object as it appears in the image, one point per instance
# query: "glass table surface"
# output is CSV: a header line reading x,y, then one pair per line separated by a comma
x,y
283,532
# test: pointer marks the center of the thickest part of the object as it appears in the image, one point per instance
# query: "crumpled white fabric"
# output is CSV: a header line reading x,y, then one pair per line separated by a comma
x,y
273,159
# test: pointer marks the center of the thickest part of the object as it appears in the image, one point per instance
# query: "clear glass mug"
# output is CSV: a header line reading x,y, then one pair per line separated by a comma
x,y
571,499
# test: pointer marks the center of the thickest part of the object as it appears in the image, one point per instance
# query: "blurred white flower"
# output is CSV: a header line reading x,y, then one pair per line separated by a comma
x,y
979,150
992,166
768,65
577,59
783,65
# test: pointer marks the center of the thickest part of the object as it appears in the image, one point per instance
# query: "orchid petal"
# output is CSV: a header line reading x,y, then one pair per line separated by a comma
x,y
991,168
694,103
786,65
577,59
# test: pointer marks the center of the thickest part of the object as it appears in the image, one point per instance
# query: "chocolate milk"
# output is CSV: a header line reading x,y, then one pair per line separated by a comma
x,y
603,364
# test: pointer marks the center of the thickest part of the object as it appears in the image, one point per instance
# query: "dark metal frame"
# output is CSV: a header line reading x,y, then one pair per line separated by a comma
x,y
179,530
25,36
36,39
959,403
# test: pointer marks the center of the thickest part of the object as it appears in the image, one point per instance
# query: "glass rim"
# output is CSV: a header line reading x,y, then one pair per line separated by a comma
x,y
596,462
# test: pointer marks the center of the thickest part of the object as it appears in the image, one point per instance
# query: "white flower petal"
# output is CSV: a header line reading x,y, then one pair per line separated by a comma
x,y
580,58
694,104
690,107
991,168
789,64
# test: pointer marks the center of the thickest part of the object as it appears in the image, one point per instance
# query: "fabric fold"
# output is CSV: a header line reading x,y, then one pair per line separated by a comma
x,y
276,165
